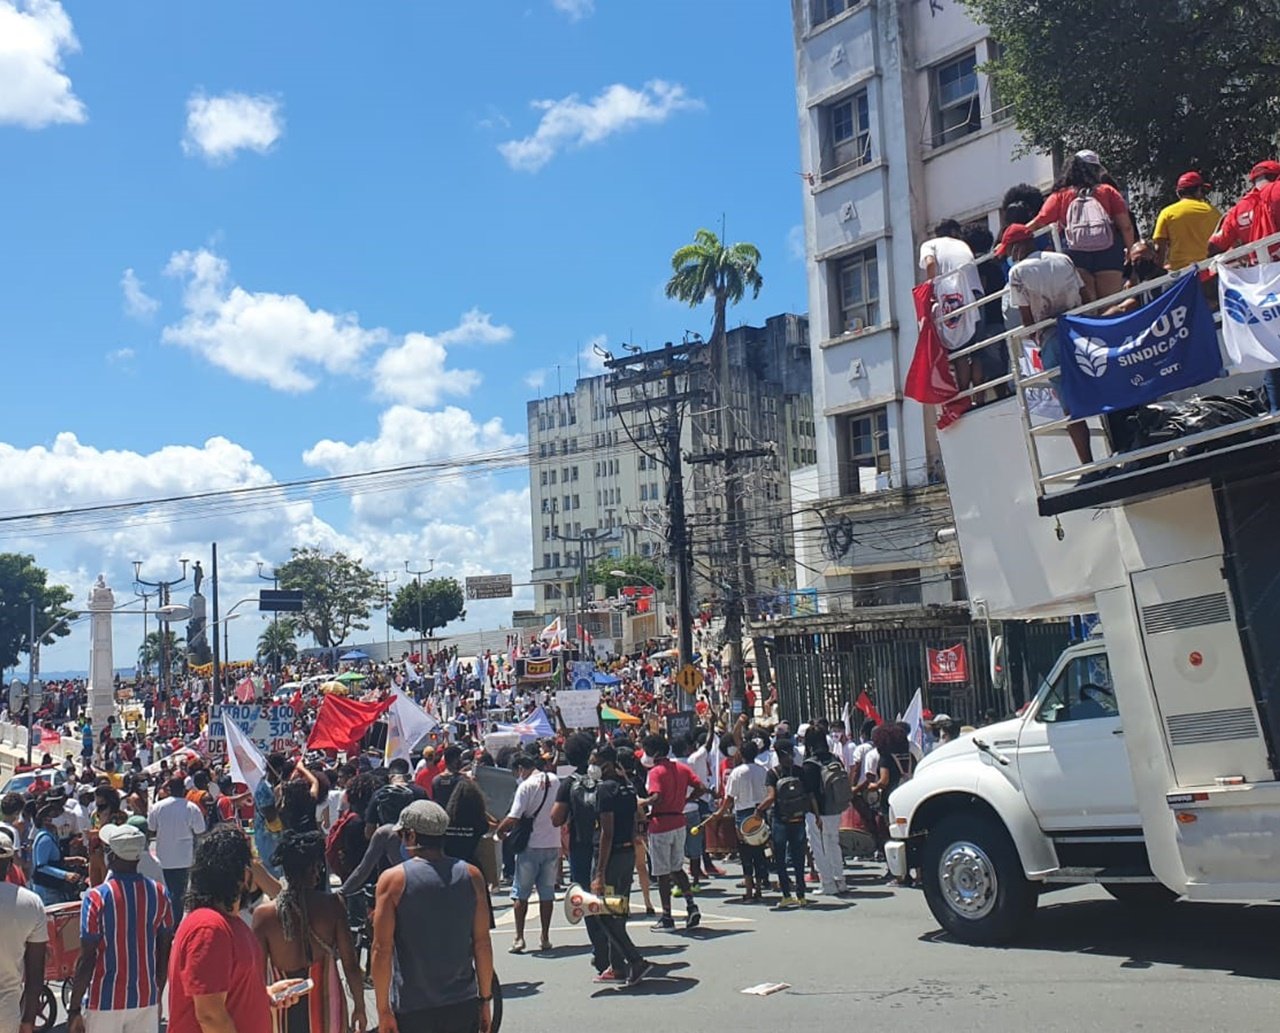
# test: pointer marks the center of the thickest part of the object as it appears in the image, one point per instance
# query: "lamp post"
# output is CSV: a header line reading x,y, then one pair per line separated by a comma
x,y
274,578
162,590
418,577
232,615
388,579
144,596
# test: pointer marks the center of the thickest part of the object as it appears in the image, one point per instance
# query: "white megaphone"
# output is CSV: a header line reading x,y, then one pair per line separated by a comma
x,y
580,904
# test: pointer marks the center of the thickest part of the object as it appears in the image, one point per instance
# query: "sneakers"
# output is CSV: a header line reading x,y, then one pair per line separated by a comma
x,y
608,976
693,919
639,972
786,903
802,902
676,891
665,924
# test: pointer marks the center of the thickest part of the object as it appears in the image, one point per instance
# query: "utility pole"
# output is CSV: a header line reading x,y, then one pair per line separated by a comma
x,y
665,366
162,589
418,576
588,537
217,657
388,579
274,578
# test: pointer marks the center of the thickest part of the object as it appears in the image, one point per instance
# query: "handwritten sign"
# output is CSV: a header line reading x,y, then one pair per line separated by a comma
x,y
270,727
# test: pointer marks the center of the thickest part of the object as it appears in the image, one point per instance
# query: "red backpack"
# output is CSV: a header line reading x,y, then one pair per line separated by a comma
x,y
334,853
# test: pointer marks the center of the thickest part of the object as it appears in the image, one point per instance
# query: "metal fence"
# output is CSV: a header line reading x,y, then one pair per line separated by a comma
x,y
819,672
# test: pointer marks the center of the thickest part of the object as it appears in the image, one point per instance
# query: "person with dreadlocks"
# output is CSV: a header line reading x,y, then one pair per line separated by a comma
x,y
304,933
216,965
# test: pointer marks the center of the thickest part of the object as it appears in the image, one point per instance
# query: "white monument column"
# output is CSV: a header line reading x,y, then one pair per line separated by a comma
x,y
102,701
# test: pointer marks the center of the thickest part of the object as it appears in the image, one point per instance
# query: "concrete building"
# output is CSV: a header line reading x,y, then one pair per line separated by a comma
x,y
899,129
590,478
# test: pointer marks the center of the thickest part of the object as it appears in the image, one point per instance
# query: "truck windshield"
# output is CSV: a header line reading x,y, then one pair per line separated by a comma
x,y
1081,692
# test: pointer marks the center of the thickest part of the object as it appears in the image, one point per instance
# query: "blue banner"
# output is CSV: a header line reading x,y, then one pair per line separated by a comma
x,y
1165,346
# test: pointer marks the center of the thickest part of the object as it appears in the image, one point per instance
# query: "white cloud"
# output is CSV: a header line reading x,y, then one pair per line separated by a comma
x,y
218,127
414,372
137,302
575,10
569,122
535,379
120,355
476,328
592,361
261,336
35,36
795,243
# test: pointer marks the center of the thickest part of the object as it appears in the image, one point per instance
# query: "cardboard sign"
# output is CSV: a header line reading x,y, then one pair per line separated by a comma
x,y
270,726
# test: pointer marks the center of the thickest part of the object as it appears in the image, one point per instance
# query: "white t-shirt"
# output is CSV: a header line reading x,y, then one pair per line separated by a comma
x,y
746,784
1047,283
176,823
957,284
528,799
22,921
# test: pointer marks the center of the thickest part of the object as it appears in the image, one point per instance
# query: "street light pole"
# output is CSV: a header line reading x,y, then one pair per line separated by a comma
x,y
274,578
418,576
162,591
388,579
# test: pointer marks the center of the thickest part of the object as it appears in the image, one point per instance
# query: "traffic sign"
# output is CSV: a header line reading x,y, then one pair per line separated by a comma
x,y
280,599
689,678
489,586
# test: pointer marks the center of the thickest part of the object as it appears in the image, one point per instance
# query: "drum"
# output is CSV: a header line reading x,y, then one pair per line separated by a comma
x,y
857,830
754,830
721,834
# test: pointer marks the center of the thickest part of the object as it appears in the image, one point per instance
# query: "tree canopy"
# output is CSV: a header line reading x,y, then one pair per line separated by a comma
x,y
338,593
276,644
21,584
708,268
441,602
156,645
639,570
1155,89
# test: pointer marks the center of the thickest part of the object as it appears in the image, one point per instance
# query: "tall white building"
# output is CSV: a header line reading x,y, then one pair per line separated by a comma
x,y
899,129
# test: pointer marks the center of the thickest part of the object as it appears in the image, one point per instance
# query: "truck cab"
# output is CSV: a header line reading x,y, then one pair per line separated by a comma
x,y
1044,798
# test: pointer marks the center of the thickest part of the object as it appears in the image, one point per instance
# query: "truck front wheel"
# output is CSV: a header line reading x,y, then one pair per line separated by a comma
x,y
973,880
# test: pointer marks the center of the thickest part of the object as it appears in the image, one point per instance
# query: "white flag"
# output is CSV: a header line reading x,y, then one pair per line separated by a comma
x,y
915,718
714,756
1251,316
407,723
243,757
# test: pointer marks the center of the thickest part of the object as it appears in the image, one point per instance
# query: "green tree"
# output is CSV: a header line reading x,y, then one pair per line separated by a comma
x,y
708,268
1196,87
152,651
441,601
337,594
639,571
276,644
21,584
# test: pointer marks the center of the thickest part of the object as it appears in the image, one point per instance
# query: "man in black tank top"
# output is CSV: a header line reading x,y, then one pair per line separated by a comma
x,y
432,959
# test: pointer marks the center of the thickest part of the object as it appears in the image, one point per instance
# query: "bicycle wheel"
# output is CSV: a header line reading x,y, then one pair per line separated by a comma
x,y
495,1008
47,1012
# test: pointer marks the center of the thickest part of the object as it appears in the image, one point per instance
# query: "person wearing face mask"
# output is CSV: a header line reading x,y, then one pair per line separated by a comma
x,y
670,785
216,965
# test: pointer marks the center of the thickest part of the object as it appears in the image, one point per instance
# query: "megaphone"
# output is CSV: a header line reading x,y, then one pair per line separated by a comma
x,y
580,904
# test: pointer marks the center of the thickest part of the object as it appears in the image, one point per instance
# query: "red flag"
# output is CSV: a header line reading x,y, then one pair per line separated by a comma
x,y
864,704
930,379
245,690
342,722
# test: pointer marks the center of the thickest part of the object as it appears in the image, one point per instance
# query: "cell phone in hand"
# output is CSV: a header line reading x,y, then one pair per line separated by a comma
x,y
295,990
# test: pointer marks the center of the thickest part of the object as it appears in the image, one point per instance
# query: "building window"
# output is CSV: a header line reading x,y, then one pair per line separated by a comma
x,y
847,143
555,559
542,450
546,505
575,473
825,10
546,534
857,292
546,559
542,478
553,477
957,108
577,504
644,493
564,505
864,452
645,549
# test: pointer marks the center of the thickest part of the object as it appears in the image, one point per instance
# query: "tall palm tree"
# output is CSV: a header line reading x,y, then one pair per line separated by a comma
x,y
709,268
152,651
276,644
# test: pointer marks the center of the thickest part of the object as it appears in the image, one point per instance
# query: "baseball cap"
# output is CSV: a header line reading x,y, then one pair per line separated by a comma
x,y
942,719
425,817
138,822
125,841
1191,180
6,846
1265,168
1089,157
1014,233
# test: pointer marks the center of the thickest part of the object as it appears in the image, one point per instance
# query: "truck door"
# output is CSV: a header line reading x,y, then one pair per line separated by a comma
x,y
1071,756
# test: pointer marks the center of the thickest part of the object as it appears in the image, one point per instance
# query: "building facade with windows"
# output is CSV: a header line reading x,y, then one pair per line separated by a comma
x,y
595,474
900,128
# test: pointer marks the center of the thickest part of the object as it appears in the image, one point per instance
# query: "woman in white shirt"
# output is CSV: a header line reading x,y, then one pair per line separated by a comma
x,y
744,792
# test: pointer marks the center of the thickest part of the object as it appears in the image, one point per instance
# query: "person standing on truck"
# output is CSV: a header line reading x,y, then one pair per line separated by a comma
x,y
1044,285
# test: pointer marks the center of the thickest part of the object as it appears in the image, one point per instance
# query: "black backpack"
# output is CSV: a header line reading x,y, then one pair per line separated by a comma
x,y
836,793
791,799
582,808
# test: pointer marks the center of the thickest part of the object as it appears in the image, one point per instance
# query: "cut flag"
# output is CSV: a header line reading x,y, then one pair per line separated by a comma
x,y
407,725
243,757
343,722
929,379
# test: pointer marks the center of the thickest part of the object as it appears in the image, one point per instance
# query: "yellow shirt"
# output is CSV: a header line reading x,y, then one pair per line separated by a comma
x,y
1187,225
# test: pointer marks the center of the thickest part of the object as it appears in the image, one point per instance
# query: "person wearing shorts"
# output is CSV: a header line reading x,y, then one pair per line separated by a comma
x,y
539,862
1042,285
671,785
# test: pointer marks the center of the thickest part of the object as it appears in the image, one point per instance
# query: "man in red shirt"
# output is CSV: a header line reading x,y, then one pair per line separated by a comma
x,y
216,965
1243,223
671,785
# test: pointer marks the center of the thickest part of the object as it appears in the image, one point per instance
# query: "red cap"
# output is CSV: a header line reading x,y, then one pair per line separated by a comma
x,y
926,715
1265,168
1191,180
1014,233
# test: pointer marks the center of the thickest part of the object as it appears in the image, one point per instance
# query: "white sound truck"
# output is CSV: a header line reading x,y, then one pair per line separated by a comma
x,y
1147,762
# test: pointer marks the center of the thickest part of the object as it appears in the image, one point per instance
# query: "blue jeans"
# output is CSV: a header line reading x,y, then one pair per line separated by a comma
x,y
536,868
1271,382
175,880
789,843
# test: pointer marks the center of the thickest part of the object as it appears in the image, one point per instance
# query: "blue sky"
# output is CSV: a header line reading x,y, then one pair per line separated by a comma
x,y
357,234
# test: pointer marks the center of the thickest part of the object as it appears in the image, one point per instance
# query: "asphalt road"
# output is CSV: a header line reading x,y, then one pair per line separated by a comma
x,y
879,961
